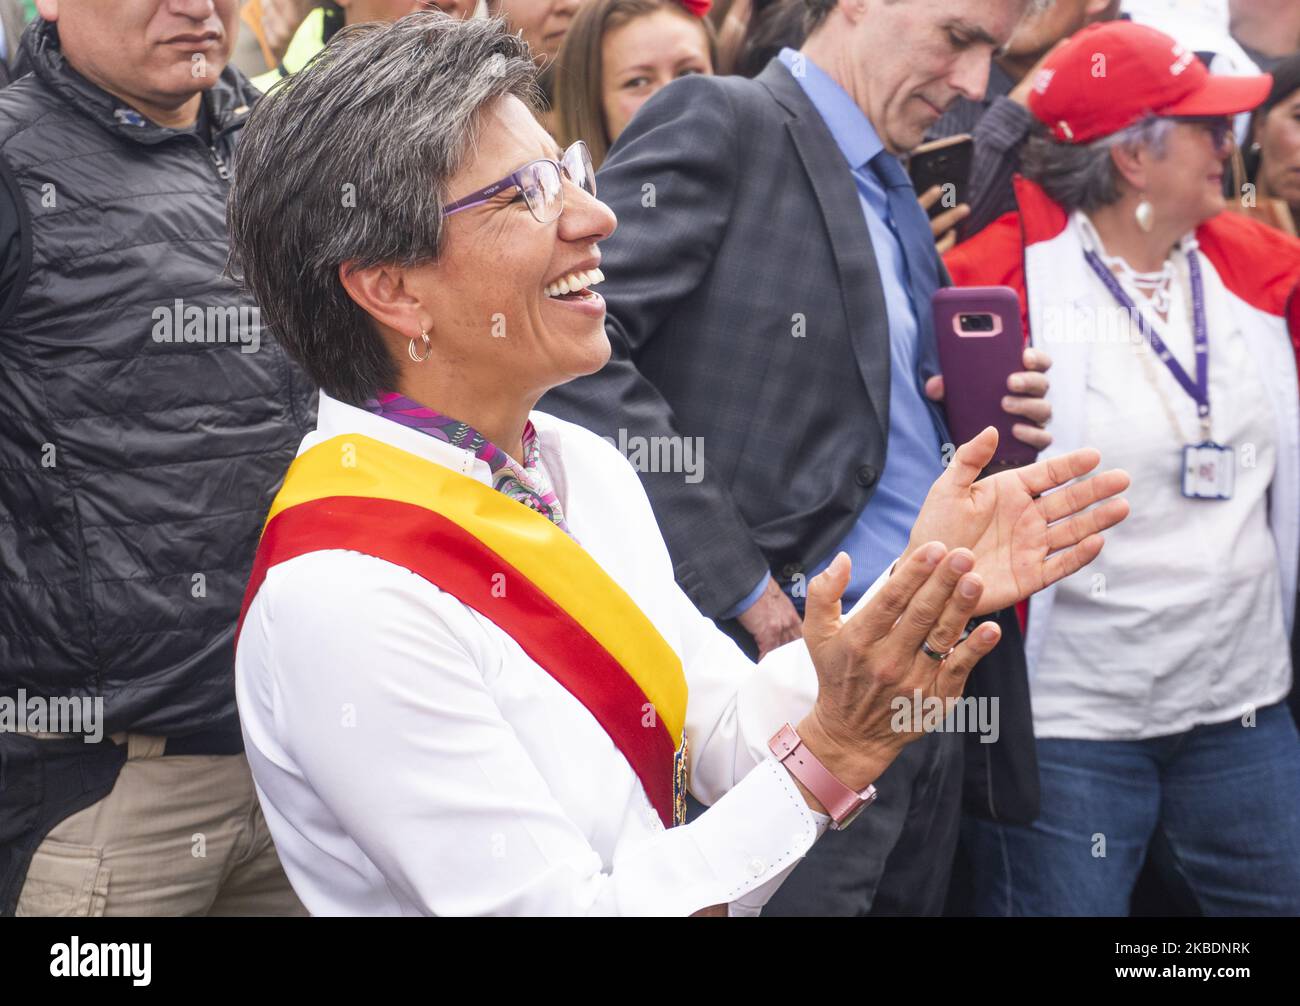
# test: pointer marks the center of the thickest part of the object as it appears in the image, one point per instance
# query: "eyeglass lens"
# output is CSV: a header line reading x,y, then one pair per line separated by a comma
x,y
542,187
542,190
578,166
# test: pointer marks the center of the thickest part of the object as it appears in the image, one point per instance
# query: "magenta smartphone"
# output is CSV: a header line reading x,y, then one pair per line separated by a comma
x,y
980,345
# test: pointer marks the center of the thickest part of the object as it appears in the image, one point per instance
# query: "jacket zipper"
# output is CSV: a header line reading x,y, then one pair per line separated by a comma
x,y
223,169
219,163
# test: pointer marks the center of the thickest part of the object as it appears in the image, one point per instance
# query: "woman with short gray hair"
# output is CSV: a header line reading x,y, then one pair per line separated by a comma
x,y
467,680
1157,682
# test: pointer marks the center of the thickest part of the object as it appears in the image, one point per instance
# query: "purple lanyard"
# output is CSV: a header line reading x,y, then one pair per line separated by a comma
x,y
1200,390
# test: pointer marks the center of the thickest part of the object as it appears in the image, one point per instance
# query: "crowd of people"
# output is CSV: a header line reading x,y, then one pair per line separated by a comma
x,y
495,458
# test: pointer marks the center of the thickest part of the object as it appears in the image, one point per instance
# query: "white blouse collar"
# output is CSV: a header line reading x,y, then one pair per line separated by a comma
x,y
335,418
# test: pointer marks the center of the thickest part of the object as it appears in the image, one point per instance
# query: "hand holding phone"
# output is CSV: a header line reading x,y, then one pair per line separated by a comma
x,y
981,345
945,163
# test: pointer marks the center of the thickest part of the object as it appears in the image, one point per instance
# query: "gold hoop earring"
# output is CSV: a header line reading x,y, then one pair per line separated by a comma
x,y
1146,216
428,348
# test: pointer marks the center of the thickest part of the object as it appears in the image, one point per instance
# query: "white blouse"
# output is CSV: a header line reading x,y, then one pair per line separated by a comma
x,y
412,759
1179,621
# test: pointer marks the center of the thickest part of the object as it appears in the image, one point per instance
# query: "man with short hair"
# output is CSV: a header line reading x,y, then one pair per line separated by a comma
x,y
1000,121
145,420
768,292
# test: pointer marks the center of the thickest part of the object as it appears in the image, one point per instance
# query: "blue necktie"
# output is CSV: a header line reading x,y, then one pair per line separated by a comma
x,y
912,228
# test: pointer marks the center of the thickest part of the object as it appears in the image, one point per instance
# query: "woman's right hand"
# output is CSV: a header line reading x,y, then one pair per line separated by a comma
x,y
875,656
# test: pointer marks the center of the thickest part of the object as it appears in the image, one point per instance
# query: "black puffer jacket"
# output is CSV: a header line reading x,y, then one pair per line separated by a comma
x,y
134,472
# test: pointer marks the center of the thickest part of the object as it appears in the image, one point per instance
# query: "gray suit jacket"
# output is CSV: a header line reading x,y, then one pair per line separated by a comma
x,y
745,308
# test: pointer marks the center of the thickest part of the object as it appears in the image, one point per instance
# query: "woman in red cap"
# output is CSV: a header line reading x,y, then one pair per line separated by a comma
x,y
1157,681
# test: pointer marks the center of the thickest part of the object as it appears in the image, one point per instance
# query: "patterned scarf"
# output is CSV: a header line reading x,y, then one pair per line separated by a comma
x,y
526,483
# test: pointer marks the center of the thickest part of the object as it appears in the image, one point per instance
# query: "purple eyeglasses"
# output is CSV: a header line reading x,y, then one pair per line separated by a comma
x,y
540,182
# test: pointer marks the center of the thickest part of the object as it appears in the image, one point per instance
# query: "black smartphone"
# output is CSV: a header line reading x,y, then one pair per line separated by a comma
x,y
943,162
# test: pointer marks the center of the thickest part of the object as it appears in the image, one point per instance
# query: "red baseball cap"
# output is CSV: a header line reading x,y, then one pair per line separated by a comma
x,y
1111,75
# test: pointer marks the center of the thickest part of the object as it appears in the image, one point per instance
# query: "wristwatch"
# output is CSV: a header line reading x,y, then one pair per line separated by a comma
x,y
842,803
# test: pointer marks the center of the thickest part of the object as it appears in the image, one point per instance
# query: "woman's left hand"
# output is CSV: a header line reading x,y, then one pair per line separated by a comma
x,y
1023,540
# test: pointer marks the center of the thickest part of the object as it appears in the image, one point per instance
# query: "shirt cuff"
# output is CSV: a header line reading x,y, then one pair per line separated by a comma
x,y
750,599
755,835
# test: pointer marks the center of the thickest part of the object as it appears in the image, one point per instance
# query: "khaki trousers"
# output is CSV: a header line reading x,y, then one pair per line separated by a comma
x,y
182,835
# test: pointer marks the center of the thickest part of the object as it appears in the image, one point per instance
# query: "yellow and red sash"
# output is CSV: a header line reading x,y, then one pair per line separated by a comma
x,y
508,563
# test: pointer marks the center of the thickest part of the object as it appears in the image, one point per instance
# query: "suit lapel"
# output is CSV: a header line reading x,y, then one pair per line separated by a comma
x,y
855,259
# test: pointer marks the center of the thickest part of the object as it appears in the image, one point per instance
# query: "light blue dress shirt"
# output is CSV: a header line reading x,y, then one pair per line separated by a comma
x,y
913,453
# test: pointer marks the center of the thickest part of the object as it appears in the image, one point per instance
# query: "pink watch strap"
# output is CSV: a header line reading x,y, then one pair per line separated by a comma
x,y
842,803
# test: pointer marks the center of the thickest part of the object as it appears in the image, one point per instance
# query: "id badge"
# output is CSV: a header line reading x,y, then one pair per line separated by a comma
x,y
1208,470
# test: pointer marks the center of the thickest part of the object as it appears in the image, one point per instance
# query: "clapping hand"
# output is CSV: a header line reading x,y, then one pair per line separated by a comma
x,y
905,638
1024,536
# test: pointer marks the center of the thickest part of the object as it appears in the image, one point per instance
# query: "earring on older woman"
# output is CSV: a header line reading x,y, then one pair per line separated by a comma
x,y
428,348
1146,216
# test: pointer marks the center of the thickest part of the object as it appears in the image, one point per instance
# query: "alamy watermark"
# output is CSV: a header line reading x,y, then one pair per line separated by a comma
x,y
190,323
67,714
663,454
75,959
1085,324
958,715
